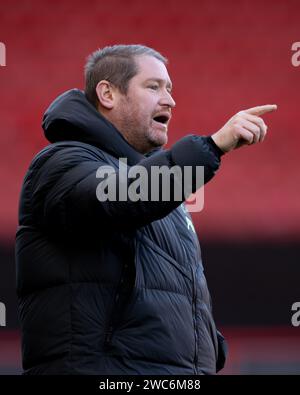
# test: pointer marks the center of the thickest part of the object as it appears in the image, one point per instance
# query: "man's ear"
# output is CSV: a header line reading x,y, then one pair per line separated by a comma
x,y
106,94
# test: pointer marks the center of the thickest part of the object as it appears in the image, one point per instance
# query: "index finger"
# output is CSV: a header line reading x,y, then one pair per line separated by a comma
x,y
261,110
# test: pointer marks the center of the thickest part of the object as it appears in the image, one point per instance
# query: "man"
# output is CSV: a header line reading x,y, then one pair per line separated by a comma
x,y
117,286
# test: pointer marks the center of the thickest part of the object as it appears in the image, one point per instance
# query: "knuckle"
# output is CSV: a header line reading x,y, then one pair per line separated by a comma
x,y
236,126
241,113
262,124
238,119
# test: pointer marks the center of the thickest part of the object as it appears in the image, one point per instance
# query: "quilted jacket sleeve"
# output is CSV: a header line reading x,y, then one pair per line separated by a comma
x,y
63,190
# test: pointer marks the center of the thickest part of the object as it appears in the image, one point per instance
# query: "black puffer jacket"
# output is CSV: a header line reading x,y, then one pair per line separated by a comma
x,y
111,287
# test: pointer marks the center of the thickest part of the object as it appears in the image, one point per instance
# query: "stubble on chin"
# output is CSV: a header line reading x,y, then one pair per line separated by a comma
x,y
157,138
138,131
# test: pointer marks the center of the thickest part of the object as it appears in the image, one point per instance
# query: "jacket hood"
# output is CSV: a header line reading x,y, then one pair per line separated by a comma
x,y
72,117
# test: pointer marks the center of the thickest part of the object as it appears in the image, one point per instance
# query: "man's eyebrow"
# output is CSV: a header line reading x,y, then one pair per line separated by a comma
x,y
160,80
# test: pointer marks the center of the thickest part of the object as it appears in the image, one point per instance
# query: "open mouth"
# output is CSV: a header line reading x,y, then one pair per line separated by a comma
x,y
162,119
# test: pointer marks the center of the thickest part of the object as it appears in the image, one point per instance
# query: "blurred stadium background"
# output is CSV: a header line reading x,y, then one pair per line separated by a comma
x,y
224,56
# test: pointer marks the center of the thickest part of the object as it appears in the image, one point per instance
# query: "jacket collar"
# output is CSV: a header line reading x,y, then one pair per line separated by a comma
x,y
72,117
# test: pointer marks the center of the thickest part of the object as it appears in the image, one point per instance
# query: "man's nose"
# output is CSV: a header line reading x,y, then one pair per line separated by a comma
x,y
167,100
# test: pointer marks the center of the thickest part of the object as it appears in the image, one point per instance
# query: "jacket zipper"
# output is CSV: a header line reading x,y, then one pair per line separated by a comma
x,y
195,323
110,322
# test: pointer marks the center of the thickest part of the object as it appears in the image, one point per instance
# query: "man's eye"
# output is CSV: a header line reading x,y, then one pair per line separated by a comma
x,y
153,87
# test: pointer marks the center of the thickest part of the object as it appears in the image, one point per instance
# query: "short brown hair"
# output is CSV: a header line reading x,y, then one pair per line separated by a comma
x,y
115,64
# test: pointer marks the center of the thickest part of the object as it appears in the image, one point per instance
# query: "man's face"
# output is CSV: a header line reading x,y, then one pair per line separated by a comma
x,y
143,114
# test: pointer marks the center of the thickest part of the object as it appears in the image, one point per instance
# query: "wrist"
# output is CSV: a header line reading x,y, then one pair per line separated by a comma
x,y
216,140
